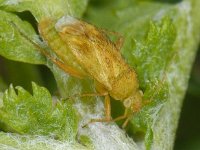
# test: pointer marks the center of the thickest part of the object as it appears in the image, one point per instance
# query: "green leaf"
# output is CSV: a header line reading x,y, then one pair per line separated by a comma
x,y
37,115
51,8
11,74
13,45
152,57
16,47
27,142
151,60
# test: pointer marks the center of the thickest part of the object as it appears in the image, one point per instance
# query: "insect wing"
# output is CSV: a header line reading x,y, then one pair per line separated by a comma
x,y
93,50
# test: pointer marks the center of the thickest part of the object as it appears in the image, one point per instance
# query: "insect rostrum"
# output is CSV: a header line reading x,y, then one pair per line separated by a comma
x,y
84,50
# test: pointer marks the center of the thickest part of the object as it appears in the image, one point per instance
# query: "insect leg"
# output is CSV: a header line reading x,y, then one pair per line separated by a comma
x,y
108,117
65,68
107,107
123,116
107,112
125,122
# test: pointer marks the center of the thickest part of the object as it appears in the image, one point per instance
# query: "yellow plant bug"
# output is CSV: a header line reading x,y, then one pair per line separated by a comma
x,y
84,50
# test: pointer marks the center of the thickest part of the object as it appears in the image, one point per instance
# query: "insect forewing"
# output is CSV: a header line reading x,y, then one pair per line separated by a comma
x,y
93,50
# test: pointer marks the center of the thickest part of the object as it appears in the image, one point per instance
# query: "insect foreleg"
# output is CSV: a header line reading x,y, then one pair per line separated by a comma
x,y
126,122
